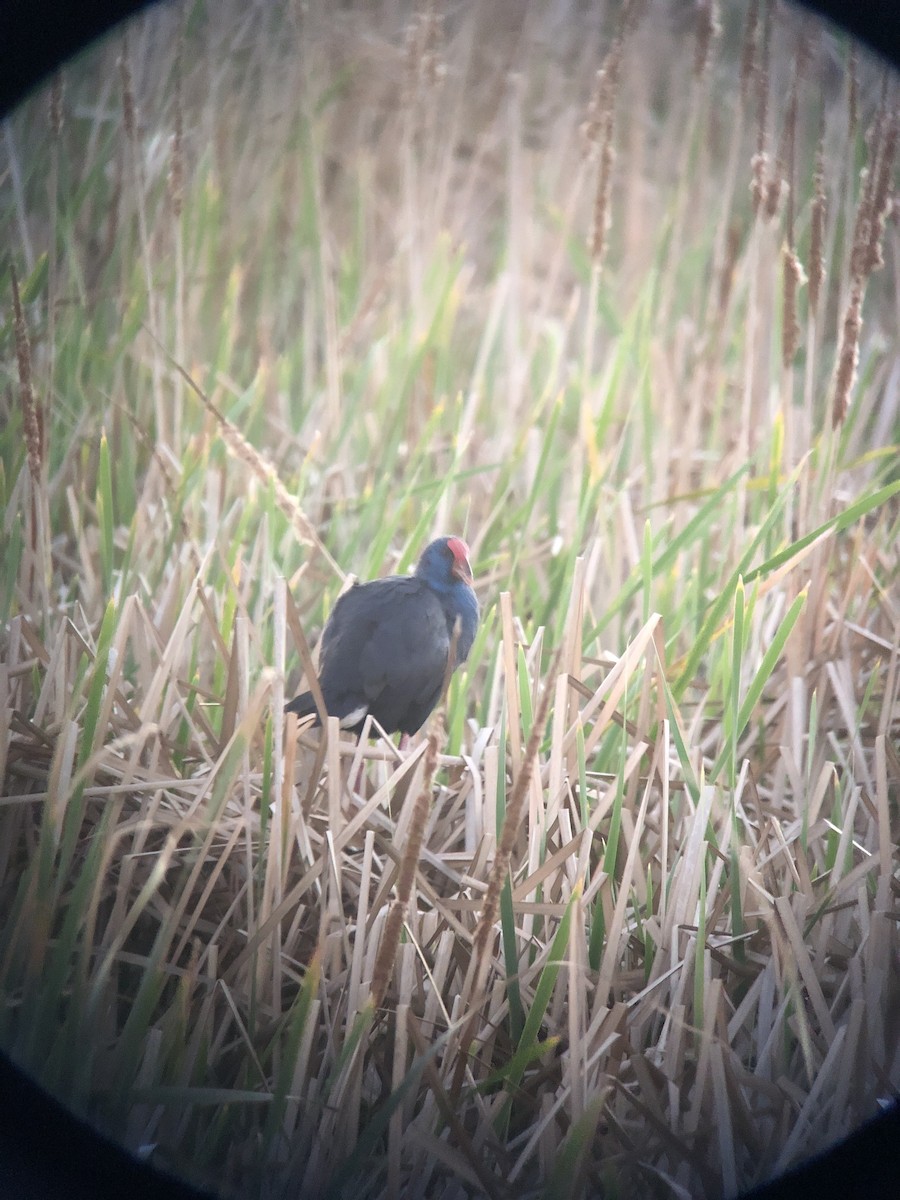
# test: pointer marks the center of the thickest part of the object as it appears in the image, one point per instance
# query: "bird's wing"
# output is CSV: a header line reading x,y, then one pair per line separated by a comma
x,y
385,641
409,649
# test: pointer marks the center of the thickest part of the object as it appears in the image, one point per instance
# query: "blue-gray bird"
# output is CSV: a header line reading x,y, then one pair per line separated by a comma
x,y
386,644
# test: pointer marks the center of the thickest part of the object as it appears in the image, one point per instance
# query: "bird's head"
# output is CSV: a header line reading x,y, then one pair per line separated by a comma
x,y
444,562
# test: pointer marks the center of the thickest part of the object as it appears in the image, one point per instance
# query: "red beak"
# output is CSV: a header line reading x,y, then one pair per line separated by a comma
x,y
461,567
462,570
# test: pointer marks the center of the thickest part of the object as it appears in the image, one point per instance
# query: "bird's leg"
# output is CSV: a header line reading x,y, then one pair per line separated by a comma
x,y
404,740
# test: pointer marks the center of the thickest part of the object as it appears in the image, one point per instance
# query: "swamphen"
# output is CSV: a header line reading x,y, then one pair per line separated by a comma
x,y
386,644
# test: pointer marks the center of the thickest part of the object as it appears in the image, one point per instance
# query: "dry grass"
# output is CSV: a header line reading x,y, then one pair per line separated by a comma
x,y
623,919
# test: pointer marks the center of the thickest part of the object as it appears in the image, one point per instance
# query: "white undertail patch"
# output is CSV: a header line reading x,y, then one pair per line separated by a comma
x,y
354,717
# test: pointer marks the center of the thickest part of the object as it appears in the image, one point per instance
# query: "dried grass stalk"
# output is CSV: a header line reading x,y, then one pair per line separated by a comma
x,y
726,275
390,938
511,823
476,974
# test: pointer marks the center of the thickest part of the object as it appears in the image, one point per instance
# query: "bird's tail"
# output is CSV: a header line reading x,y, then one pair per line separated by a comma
x,y
303,705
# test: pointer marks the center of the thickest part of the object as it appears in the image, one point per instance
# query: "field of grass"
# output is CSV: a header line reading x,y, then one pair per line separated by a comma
x,y
612,291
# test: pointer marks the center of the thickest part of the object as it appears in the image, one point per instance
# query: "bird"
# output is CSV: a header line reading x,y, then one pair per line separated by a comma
x,y
386,645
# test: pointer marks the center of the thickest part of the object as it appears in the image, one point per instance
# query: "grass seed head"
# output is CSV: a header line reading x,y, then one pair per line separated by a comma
x,y
862,226
709,28
853,91
598,131
56,105
32,413
817,230
848,355
176,145
759,187
630,17
873,208
591,128
883,173
792,278
776,190
129,112
749,49
602,218
433,65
